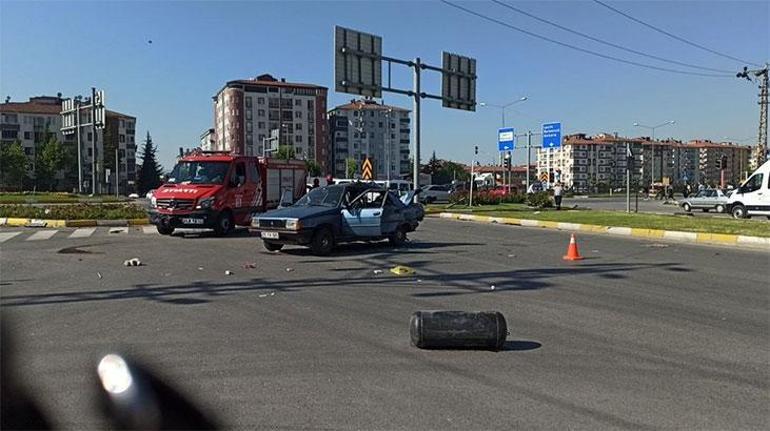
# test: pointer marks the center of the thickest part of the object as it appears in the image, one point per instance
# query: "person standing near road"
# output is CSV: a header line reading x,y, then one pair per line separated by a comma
x,y
316,183
557,192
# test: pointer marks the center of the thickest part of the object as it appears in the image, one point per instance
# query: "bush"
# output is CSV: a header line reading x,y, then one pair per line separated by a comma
x,y
75,212
539,200
485,197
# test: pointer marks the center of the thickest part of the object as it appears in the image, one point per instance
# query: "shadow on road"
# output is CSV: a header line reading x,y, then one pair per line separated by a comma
x,y
520,345
452,284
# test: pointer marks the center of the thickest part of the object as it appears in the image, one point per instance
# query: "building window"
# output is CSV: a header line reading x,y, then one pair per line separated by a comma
x,y
297,102
380,124
122,138
355,135
355,113
371,134
90,152
310,105
298,138
298,126
248,114
260,100
90,136
260,113
248,102
392,136
261,125
371,113
27,135
298,114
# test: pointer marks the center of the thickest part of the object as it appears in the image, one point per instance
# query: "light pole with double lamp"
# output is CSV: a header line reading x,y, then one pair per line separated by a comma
x,y
502,109
652,128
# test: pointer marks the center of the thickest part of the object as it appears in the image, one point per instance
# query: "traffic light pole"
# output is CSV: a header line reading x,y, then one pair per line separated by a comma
x,y
417,95
628,177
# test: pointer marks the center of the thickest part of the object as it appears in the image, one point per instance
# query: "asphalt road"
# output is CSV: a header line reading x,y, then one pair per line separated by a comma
x,y
640,335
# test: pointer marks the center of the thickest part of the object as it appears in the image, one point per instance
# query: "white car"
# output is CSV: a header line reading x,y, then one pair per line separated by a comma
x,y
133,196
435,193
753,196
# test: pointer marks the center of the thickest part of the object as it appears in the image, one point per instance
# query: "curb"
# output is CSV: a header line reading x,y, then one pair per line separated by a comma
x,y
671,235
28,222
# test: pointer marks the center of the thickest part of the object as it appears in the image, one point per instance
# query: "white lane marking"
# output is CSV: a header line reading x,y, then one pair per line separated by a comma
x,y
119,230
83,232
149,229
5,236
43,234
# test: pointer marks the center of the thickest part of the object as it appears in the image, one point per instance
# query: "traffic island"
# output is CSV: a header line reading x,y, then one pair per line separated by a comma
x,y
750,241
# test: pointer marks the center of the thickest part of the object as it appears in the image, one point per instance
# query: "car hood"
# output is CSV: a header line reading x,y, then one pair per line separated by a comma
x,y
300,212
182,191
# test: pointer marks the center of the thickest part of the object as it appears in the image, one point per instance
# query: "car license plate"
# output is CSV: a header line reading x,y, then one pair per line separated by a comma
x,y
270,235
192,220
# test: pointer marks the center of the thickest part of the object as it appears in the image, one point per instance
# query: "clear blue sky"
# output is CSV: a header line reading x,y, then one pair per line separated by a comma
x,y
47,47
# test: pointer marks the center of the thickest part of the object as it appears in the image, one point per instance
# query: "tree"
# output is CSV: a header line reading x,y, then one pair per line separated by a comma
x,y
49,160
150,172
285,152
434,165
13,165
351,166
313,168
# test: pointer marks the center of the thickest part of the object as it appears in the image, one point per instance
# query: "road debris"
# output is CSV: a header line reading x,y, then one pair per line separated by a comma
x,y
402,270
132,262
656,245
99,274
264,295
249,265
492,287
228,272
511,255
200,268
377,271
289,269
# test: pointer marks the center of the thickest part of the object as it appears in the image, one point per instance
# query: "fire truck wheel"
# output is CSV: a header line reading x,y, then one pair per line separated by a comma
x,y
224,223
165,230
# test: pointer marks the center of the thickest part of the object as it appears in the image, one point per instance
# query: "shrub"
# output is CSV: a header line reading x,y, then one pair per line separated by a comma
x,y
75,212
540,200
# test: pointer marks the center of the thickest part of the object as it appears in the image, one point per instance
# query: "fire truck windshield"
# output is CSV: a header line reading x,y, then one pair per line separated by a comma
x,y
199,173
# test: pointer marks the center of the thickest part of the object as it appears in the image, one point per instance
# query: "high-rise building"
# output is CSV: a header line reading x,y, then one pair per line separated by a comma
x,y
247,111
208,141
365,128
28,122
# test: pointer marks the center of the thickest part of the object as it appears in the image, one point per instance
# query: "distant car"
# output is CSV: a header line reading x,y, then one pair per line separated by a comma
x,y
706,200
133,196
330,215
435,193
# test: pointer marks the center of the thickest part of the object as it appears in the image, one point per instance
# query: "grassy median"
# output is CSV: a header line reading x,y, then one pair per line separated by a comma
x,y
756,227
54,198
110,211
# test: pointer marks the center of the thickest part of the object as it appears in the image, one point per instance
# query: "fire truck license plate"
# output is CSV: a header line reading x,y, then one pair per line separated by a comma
x,y
192,220
270,235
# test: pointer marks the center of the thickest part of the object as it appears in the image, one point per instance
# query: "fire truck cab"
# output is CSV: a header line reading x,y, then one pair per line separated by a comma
x,y
219,190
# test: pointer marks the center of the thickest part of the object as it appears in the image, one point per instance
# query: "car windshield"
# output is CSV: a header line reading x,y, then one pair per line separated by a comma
x,y
324,196
199,173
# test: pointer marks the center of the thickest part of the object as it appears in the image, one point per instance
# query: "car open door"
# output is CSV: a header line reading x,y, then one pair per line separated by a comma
x,y
363,216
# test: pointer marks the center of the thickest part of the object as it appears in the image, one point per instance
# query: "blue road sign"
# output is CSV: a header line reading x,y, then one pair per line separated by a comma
x,y
552,135
505,138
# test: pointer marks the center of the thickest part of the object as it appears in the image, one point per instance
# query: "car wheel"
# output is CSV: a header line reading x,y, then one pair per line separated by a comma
x,y
165,230
399,236
323,242
720,208
739,211
687,207
224,223
271,246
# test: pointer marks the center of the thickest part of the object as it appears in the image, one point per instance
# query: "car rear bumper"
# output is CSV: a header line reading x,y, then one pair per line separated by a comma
x,y
205,219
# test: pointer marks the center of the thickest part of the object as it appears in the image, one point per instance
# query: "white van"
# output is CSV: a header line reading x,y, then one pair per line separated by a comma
x,y
753,196
401,186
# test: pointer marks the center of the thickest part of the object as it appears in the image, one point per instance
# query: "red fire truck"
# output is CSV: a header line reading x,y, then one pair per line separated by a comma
x,y
219,190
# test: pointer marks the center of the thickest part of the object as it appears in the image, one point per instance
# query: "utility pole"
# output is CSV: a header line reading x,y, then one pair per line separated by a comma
x,y
760,155
417,95
93,141
629,161
117,173
77,101
473,162
529,145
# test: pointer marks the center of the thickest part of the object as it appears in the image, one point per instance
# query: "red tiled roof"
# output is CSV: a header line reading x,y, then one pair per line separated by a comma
x,y
30,108
369,107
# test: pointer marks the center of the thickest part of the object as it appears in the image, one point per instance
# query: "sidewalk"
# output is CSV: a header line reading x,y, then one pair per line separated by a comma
x,y
753,242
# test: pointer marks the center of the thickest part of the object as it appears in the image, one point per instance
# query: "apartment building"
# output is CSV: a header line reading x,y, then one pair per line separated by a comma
x,y
365,128
246,111
207,140
28,122
591,163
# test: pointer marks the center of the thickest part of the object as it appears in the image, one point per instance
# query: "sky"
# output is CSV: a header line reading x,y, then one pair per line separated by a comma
x,y
197,46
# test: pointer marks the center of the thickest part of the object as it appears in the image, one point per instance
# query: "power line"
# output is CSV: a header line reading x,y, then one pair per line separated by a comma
x,y
595,39
587,51
673,36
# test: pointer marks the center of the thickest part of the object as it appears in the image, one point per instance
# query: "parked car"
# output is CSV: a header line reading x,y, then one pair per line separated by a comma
x,y
330,215
133,196
706,200
435,193
753,196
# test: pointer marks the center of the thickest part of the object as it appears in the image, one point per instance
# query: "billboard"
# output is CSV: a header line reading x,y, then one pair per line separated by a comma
x,y
357,62
458,82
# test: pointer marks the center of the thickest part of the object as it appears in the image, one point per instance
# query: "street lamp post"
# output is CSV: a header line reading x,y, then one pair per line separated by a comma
x,y
652,128
502,109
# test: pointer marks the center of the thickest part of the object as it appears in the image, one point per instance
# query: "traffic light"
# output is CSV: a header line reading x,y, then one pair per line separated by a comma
x,y
507,162
476,150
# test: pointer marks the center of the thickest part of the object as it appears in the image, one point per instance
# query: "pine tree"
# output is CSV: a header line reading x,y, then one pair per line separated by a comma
x,y
150,172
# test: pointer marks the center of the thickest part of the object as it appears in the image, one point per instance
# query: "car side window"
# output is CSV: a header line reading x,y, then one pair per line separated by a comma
x,y
753,184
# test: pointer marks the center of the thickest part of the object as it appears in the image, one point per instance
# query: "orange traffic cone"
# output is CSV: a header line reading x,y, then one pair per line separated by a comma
x,y
572,250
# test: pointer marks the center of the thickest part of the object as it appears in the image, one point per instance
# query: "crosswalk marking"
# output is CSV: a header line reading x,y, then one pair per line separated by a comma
x,y
83,232
5,236
149,229
43,234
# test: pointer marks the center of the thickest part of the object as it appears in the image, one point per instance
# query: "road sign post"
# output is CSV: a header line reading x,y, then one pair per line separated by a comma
x,y
358,70
366,170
